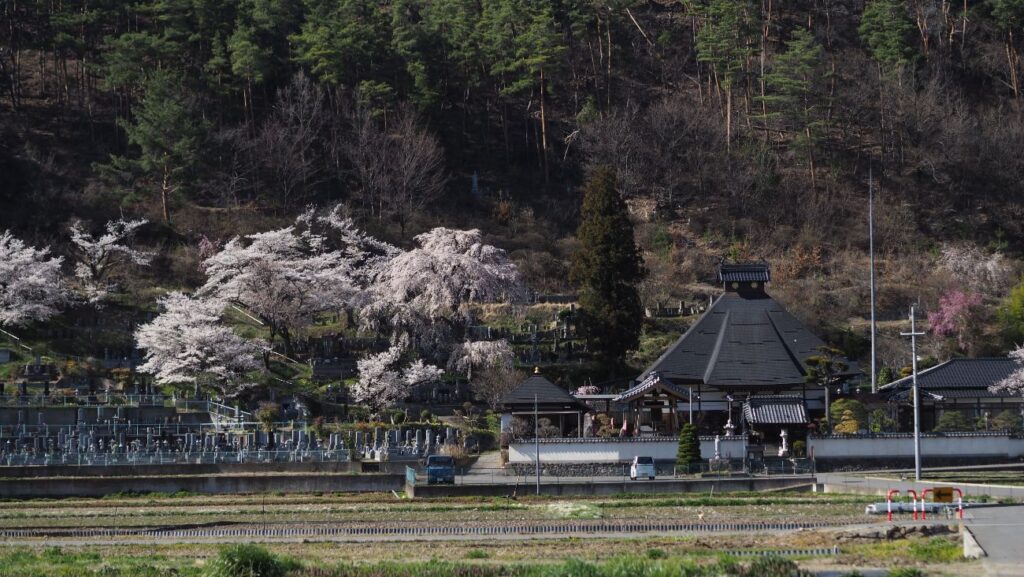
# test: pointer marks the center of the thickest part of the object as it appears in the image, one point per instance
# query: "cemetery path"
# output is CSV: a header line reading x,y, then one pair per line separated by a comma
x,y
999,531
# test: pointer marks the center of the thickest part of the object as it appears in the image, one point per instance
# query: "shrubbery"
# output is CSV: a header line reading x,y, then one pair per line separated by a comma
x,y
248,561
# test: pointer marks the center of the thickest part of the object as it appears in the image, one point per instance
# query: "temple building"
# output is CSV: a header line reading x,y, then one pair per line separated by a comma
x,y
956,385
741,365
553,406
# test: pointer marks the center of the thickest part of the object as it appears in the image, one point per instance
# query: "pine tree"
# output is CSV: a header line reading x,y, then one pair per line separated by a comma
x,y
607,267
887,30
825,369
791,103
166,135
725,42
688,453
1009,17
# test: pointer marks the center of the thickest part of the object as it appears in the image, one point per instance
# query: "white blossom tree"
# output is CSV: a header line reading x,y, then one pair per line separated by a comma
x,y
187,344
284,277
450,269
1013,384
383,382
31,286
97,257
480,354
421,295
976,270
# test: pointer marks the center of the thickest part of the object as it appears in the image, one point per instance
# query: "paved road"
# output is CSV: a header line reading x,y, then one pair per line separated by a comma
x,y
1000,532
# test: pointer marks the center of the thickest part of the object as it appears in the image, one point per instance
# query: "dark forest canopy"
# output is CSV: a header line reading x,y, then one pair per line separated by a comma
x,y
734,104
735,127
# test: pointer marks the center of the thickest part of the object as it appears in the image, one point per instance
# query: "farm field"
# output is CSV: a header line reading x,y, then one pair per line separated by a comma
x,y
861,540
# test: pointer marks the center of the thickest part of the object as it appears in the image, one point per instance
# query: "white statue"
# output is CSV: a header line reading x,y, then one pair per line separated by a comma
x,y
784,449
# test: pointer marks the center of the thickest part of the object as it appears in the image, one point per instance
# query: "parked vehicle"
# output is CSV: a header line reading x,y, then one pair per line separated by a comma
x,y
440,470
642,467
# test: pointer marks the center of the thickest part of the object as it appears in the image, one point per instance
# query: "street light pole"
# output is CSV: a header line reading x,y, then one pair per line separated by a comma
x,y
871,251
913,334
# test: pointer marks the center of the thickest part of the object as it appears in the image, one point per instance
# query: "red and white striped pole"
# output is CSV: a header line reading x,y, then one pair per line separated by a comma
x,y
888,502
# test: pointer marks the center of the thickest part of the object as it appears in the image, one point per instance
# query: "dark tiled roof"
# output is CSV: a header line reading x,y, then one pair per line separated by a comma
x,y
775,410
547,394
652,382
948,394
740,341
959,374
744,273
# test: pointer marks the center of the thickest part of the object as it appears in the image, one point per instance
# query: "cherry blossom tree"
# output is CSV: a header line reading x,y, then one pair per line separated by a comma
x,y
450,269
383,382
97,257
957,316
31,287
284,277
187,344
421,295
480,354
1013,384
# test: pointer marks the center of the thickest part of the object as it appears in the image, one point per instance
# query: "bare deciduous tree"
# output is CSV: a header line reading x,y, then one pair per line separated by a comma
x,y
399,166
288,144
494,382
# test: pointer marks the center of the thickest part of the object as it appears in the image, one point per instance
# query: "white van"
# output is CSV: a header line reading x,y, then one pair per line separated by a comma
x,y
642,467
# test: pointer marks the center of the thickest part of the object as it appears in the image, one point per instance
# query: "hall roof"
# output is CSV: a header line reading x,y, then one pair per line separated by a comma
x,y
548,395
741,341
958,378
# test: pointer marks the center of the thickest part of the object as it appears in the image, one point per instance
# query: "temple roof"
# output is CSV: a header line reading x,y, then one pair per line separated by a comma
x,y
774,410
959,374
742,341
547,394
755,272
652,384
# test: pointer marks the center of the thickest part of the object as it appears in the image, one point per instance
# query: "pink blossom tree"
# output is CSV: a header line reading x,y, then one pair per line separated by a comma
x,y
957,316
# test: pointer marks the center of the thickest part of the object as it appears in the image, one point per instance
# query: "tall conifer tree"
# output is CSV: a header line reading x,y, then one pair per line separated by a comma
x,y
607,267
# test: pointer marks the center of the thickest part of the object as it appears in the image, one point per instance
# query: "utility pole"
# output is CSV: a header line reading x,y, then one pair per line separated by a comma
x,y
913,334
871,251
536,440
691,405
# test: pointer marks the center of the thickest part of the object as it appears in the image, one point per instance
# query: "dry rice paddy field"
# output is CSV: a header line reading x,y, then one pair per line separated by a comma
x,y
865,547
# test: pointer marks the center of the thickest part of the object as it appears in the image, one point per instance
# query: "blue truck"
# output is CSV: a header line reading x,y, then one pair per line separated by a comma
x,y
440,470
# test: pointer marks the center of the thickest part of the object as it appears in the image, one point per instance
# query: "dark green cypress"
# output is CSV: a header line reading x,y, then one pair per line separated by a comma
x,y
689,447
607,268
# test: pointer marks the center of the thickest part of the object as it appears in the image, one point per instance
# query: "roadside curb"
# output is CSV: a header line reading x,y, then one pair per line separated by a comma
x,y
972,550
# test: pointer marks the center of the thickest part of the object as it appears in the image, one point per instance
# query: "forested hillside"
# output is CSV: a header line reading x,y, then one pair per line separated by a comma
x,y
736,129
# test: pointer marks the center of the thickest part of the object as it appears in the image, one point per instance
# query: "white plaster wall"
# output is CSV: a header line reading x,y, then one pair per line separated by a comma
x,y
880,447
618,451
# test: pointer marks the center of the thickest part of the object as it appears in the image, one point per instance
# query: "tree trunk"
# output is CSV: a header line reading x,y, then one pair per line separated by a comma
x,y
543,129
165,192
1012,61
728,119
